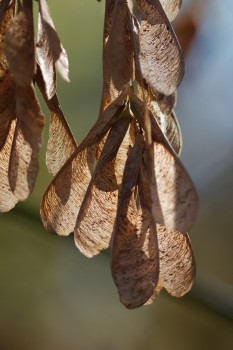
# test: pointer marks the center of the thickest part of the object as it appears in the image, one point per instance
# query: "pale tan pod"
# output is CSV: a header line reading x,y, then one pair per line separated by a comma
x,y
59,53
61,143
117,52
169,126
7,86
122,154
171,192
46,60
177,264
161,59
27,140
63,198
19,46
7,104
176,260
166,103
97,213
7,198
7,111
134,250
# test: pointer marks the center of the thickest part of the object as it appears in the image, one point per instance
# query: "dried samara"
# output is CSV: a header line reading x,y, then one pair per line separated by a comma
x,y
124,186
25,61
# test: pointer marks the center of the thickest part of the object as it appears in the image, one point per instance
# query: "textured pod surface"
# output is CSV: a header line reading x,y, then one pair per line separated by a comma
x,y
117,52
61,143
63,198
58,52
171,193
27,140
122,154
161,60
135,264
19,165
177,265
19,46
96,217
7,198
7,87
169,126
46,60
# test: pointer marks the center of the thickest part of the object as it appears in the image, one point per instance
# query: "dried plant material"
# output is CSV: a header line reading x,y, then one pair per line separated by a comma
x,y
108,91
7,198
176,260
5,6
46,60
135,264
61,143
97,213
171,8
27,141
119,55
21,120
117,52
7,87
58,52
164,128
7,98
63,198
166,103
177,265
6,17
169,126
171,193
19,45
124,185
122,154
161,60
19,154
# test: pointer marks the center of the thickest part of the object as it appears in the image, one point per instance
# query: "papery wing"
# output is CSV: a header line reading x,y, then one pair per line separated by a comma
x,y
46,60
61,143
171,192
98,211
19,45
161,60
58,51
24,166
7,87
119,55
169,126
7,198
122,154
63,198
135,263
117,52
177,264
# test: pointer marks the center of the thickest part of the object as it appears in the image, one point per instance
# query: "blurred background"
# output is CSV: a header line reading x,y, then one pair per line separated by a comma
x,y
51,297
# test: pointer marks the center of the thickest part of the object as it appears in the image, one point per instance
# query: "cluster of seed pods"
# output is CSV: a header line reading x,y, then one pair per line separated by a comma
x,y
124,186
